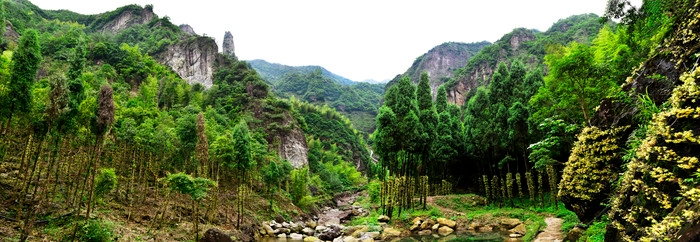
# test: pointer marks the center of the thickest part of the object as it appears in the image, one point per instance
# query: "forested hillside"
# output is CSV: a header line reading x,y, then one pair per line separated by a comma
x,y
121,126
102,132
359,101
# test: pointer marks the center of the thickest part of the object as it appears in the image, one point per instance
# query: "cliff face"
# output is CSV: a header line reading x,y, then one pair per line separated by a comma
x,y
441,62
228,46
479,69
293,148
192,59
128,18
187,29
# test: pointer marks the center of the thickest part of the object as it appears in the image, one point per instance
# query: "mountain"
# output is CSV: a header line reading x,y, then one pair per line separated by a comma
x,y
441,62
272,72
359,102
123,117
525,45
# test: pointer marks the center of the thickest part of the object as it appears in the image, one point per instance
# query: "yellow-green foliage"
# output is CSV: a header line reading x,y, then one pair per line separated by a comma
x,y
588,171
658,194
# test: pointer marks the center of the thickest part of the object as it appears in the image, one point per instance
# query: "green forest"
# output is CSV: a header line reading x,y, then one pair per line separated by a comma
x,y
585,132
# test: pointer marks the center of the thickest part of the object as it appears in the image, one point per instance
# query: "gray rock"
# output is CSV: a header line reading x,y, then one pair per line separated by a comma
x,y
216,235
383,219
295,236
307,231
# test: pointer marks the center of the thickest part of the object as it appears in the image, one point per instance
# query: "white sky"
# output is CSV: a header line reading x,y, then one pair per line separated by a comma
x,y
358,39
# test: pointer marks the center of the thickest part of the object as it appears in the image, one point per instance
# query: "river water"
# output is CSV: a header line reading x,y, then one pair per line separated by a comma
x,y
485,237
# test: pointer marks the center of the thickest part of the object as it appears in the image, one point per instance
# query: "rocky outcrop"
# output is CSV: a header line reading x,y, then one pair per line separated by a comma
x,y
441,62
458,93
216,235
128,16
293,146
192,60
228,46
10,33
187,29
479,71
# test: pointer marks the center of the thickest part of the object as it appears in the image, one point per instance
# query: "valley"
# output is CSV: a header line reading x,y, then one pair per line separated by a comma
x,y
123,126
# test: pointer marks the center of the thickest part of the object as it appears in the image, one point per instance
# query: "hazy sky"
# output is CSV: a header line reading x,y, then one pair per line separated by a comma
x,y
356,39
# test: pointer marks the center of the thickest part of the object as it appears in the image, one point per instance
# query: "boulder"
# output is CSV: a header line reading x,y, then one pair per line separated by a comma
x,y
516,235
435,227
296,227
311,239
519,229
390,233
445,230
574,234
367,240
295,236
311,224
216,235
308,231
417,221
447,222
350,239
275,225
373,235
427,224
425,232
509,223
320,228
330,233
415,227
281,231
345,215
285,225
282,236
383,219
268,230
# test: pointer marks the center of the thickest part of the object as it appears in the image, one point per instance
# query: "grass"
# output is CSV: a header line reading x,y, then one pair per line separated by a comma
x,y
596,232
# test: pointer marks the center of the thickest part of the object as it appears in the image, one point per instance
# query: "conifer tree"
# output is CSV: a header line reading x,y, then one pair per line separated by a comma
x,y
25,63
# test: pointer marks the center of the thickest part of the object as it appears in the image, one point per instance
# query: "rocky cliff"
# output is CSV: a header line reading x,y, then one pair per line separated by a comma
x,y
522,44
227,46
187,29
441,62
125,17
479,69
293,148
192,59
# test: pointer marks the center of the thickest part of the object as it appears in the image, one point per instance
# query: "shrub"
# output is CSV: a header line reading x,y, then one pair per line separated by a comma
x,y
96,231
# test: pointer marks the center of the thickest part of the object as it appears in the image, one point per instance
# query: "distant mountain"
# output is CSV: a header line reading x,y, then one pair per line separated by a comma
x,y
526,45
273,72
441,61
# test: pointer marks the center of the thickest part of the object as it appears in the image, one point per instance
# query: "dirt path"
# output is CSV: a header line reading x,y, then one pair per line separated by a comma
x,y
552,232
445,211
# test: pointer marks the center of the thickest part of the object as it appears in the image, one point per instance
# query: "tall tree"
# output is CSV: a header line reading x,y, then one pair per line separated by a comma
x,y
244,161
441,99
25,63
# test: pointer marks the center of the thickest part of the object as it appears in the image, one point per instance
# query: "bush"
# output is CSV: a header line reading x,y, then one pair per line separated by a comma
x,y
374,188
96,231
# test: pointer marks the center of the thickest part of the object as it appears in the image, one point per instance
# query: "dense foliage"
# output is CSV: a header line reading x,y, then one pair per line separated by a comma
x,y
92,116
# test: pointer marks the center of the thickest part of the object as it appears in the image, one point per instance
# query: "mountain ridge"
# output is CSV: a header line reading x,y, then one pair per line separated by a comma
x,y
273,72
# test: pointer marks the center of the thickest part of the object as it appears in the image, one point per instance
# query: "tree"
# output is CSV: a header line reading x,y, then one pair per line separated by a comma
x,y
573,81
25,63
243,161
202,148
196,188
441,99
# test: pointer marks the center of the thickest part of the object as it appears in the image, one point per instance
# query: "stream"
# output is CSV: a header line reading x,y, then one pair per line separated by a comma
x,y
344,210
